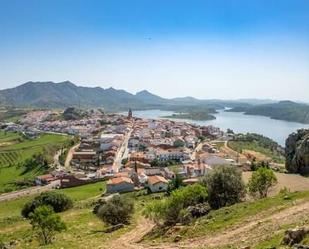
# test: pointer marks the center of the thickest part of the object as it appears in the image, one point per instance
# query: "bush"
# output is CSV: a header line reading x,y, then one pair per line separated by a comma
x,y
174,209
116,210
261,181
225,186
175,183
59,202
46,223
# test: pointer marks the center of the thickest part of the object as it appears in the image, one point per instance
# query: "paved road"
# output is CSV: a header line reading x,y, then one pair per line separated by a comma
x,y
28,191
122,152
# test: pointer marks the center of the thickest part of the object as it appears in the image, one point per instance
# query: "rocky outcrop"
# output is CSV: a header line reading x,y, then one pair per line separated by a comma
x,y
297,152
294,236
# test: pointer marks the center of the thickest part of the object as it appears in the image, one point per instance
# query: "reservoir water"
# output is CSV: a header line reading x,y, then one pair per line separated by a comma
x,y
278,130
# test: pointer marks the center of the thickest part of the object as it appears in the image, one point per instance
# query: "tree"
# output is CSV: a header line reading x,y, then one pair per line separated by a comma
x,y
124,161
116,210
174,209
229,131
179,143
261,181
59,202
225,186
46,223
175,183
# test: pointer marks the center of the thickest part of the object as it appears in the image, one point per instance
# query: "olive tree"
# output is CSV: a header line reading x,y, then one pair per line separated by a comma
x,y
261,181
58,201
46,223
225,186
116,210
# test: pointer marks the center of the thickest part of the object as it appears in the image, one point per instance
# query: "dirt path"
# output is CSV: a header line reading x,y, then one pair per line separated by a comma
x,y
131,239
69,156
249,232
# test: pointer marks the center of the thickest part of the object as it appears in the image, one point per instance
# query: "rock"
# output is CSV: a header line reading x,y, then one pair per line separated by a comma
x,y
246,247
301,247
177,238
297,152
199,210
294,236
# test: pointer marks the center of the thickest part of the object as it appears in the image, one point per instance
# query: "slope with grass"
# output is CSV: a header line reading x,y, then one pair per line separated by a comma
x,y
85,230
258,224
15,149
266,148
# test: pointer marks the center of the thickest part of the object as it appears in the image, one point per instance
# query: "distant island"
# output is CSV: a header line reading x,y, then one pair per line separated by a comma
x,y
198,116
283,110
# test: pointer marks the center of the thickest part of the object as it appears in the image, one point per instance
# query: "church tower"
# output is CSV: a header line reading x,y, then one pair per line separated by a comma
x,y
130,114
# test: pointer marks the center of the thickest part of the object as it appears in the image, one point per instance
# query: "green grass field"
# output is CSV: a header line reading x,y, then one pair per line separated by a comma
x,y
79,193
84,228
15,149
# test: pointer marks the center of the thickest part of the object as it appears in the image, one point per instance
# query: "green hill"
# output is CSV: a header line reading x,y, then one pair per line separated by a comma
x,y
283,110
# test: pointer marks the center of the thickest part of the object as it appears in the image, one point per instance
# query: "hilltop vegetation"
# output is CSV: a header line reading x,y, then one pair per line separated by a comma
x,y
21,158
283,110
258,143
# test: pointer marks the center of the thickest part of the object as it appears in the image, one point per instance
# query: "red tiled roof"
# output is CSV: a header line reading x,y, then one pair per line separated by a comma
x,y
118,180
156,179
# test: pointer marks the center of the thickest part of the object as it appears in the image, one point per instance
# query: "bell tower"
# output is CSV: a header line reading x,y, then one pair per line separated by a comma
x,y
130,114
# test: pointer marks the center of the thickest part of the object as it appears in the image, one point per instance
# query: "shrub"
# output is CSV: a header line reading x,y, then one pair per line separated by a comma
x,y
46,223
59,202
174,209
175,183
116,210
261,181
225,186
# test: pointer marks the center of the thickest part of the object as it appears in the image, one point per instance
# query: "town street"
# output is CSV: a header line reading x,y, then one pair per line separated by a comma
x,y
122,152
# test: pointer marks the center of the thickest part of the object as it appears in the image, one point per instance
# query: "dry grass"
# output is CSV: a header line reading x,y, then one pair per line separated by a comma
x,y
292,182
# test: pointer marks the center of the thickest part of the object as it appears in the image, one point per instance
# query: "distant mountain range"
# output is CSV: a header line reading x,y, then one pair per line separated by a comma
x,y
66,94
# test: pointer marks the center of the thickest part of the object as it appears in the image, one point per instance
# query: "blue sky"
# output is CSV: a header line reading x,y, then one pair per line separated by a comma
x,y
207,49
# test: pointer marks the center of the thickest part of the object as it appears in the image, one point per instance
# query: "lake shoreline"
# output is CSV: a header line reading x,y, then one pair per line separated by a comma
x,y
278,130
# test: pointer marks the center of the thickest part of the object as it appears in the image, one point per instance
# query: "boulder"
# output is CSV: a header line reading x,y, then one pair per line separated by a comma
x,y
294,236
199,210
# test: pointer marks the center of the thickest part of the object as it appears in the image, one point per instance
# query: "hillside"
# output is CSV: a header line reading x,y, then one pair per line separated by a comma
x,y
283,110
237,226
66,94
